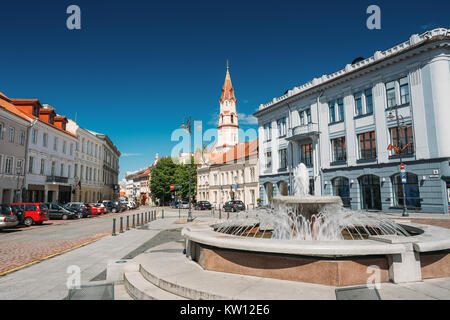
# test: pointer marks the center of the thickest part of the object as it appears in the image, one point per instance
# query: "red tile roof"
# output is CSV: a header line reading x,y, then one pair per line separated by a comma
x,y
6,104
241,151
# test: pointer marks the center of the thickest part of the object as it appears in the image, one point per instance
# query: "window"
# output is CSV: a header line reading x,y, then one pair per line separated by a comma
x,y
19,166
8,165
302,118
11,134
390,94
22,138
308,115
306,154
281,123
412,192
55,144
404,142
369,101
45,139
77,146
81,172
2,126
82,145
30,165
332,111
53,168
267,132
42,166
64,147
282,158
69,171
76,170
1,164
71,149
339,149
34,136
404,90
268,159
358,104
62,170
341,188
340,103
367,146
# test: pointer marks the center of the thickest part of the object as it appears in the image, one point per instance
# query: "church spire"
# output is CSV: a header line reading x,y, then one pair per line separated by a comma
x,y
227,89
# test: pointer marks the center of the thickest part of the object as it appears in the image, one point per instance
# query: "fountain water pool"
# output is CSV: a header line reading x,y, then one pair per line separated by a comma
x,y
314,239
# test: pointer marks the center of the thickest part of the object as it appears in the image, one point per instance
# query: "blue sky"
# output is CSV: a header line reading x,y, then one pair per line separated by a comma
x,y
137,68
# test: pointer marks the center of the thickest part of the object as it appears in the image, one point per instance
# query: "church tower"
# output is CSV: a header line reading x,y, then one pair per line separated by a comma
x,y
227,135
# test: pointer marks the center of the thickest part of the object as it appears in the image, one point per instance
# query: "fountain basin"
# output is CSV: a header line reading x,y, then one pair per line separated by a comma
x,y
336,263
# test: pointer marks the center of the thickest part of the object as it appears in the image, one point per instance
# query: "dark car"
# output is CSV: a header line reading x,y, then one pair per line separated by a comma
x,y
112,206
203,205
79,207
56,211
233,206
7,217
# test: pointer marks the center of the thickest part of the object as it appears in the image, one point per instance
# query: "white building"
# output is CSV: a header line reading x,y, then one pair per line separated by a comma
x,y
88,168
50,160
343,126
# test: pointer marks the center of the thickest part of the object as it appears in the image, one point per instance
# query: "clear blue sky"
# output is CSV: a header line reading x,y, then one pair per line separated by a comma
x,y
136,68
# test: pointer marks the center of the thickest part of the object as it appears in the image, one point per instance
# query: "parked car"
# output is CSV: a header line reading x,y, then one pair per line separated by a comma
x,y
7,217
203,205
55,211
33,213
235,205
79,207
183,205
113,206
100,207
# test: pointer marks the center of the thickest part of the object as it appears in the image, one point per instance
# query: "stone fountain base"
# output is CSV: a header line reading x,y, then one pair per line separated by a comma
x,y
335,263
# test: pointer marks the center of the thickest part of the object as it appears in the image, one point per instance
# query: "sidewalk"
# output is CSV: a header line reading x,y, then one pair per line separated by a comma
x,y
46,280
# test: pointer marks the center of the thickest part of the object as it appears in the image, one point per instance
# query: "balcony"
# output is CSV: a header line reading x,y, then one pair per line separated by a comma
x,y
303,131
56,179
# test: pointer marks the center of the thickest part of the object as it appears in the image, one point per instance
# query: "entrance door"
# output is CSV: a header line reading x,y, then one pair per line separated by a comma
x,y
370,192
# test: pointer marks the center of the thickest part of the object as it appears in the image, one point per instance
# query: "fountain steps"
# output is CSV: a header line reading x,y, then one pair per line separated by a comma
x,y
165,273
140,289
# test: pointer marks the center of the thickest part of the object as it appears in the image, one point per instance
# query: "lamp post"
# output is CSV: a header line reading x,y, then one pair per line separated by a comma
x,y
187,125
390,117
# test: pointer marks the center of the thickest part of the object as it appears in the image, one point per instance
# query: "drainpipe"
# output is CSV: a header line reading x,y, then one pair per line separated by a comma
x,y
292,152
319,170
25,166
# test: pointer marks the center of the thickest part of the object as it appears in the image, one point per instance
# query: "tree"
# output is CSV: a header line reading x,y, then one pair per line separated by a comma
x,y
182,179
162,177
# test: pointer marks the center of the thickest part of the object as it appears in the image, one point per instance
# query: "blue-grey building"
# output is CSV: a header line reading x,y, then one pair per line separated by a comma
x,y
343,127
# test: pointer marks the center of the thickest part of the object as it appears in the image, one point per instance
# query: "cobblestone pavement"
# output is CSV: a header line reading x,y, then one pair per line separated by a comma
x,y
22,246
16,254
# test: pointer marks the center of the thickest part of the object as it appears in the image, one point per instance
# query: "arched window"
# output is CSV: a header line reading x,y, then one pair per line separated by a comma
x,y
341,188
412,192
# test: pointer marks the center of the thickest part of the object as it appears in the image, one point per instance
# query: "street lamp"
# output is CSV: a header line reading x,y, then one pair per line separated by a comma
x,y
187,125
391,117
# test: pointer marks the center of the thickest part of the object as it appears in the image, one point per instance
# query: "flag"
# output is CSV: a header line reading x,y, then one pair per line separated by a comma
x,y
79,184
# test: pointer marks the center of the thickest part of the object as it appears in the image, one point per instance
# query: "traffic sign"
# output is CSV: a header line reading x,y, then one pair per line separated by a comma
x,y
402,166
172,186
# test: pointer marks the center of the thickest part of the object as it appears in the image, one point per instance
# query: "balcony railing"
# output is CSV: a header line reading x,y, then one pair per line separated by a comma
x,y
57,179
303,131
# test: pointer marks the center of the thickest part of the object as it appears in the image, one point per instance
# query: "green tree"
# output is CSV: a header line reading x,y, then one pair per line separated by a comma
x,y
182,179
163,175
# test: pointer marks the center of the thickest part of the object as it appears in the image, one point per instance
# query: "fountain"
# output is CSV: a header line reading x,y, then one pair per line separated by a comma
x,y
314,239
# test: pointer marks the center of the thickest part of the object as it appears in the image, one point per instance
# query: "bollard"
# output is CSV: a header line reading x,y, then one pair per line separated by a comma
x,y
145,217
137,219
134,226
162,214
220,213
128,222
142,218
114,227
121,225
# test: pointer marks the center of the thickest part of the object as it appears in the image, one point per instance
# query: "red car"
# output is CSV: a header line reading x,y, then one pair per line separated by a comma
x,y
31,213
97,208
